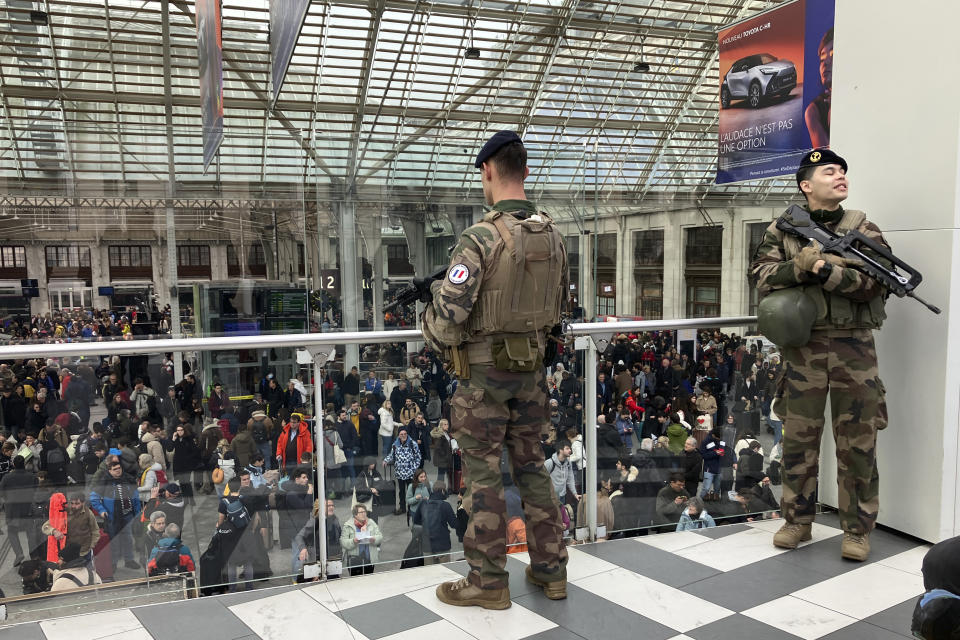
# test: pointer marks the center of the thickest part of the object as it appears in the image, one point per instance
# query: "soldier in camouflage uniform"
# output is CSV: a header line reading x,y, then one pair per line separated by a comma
x,y
839,357
490,315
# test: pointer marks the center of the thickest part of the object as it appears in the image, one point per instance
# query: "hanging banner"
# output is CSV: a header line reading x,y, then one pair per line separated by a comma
x,y
210,54
775,80
286,21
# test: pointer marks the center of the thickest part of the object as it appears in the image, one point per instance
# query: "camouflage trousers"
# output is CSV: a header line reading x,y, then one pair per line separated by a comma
x,y
491,409
843,362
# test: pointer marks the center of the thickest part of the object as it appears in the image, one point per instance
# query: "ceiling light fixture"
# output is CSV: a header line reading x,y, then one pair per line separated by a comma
x,y
472,52
641,66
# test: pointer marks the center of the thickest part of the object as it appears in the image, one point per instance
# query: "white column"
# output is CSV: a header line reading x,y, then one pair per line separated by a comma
x,y
99,273
673,287
626,292
350,293
218,262
588,287
160,274
896,123
416,240
36,269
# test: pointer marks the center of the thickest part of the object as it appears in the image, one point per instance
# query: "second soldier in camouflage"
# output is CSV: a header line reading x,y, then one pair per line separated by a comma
x,y
839,357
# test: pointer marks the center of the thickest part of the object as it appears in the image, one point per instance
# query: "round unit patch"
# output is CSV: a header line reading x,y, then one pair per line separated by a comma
x,y
458,273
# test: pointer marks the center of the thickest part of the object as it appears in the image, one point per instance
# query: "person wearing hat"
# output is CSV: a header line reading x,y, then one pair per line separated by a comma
x,y
490,316
821,312
74,570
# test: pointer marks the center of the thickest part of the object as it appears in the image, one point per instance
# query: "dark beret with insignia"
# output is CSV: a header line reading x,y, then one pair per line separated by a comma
x,y
499,140
819,157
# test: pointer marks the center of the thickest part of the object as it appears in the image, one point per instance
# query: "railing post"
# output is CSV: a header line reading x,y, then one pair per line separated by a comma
x,y
590,430
320,355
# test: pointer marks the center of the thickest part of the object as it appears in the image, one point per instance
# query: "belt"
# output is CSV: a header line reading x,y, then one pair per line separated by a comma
x,y
480,351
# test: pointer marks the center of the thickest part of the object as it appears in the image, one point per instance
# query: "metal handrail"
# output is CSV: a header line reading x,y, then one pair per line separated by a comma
x,y
138,347
633,326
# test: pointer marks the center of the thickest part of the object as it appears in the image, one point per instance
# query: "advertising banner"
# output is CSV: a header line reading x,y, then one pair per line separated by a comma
x,y
775,81
286,21
210,54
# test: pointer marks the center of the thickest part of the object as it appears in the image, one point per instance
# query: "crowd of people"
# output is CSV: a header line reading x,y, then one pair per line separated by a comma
x,y
86,325
678,436
103,469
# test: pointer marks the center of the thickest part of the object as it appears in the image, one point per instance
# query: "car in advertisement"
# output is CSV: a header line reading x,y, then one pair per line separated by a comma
x,y
757,78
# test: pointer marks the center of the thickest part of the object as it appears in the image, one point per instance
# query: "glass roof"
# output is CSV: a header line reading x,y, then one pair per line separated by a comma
x,y
380,101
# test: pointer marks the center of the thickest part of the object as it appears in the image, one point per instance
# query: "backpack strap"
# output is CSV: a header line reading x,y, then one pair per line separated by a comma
x,y
852,219
75,580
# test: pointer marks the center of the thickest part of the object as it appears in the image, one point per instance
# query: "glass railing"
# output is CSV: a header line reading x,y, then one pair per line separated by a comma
x,y
171,488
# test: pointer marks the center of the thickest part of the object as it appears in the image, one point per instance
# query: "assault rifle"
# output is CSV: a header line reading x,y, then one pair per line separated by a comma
x,y
797,222
418,290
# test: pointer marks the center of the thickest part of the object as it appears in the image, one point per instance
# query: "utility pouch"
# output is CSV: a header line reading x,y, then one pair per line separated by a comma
x,y
460,363
519,354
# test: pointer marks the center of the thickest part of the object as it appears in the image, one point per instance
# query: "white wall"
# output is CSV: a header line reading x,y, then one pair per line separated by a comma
x,y
896,122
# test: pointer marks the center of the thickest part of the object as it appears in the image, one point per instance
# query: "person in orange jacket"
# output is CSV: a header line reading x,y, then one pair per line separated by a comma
x,y
293,442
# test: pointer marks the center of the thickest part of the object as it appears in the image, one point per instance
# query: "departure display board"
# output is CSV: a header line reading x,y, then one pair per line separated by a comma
x,y
286,303
286,325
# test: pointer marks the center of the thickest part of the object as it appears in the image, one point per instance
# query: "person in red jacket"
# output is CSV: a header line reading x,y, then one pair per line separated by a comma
x,y
293,442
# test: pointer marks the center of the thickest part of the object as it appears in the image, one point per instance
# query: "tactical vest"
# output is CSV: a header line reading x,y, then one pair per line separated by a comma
x,y
836,311
520,292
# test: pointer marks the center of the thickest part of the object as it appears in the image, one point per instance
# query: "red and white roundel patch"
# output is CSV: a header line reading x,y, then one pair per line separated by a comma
x,y
458,274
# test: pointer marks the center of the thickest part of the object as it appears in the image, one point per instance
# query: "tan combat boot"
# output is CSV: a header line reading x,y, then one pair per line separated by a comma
x,y
792,534
855,546
556,590
461,593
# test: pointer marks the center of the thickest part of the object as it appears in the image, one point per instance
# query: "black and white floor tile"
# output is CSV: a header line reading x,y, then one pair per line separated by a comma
x,y
728,583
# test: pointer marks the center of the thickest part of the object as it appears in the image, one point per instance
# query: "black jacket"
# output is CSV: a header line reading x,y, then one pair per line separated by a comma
x,y
186,454
351,384
348,435
17,490
749,467
692,466
435,516
14,411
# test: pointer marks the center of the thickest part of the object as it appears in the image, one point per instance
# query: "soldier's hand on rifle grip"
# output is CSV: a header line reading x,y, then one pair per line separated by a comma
x,y
807,259
835,259
423,286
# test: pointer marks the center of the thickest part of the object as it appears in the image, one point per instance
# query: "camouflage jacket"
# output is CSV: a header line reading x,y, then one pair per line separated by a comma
x,y
850,299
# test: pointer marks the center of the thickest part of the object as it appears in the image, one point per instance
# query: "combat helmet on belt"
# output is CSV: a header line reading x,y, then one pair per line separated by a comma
x,y
786,317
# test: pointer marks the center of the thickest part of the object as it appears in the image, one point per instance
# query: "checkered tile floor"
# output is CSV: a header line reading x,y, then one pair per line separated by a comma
x,y
727,583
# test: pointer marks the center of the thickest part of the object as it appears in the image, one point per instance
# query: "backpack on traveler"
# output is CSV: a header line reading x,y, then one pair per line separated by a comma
x,y
259,431
237,514
56,459
167,559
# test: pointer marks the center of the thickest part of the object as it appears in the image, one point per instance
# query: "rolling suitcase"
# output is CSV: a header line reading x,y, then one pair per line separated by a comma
x,y
102,558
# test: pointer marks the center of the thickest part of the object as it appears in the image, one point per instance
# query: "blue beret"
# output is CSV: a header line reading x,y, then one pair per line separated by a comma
x,y
819,157
494,144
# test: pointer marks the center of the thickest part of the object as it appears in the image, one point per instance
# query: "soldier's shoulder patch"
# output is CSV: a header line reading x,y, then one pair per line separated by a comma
x,y
458,273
